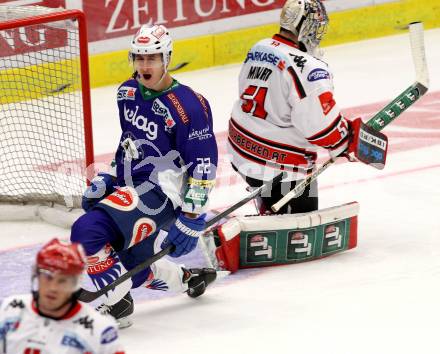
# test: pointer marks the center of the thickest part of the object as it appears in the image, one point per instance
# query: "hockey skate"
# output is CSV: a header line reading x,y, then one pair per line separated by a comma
x,y
198,280
120,311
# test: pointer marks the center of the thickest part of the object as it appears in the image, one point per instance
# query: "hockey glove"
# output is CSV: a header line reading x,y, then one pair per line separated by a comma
x,y
184,234
100,187
343,149
367,145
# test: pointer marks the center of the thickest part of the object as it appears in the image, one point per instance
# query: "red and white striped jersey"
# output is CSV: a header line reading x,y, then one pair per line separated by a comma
x,y
82,330
285,111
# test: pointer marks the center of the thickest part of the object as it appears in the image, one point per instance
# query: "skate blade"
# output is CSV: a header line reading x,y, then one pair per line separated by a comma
x,y
124,322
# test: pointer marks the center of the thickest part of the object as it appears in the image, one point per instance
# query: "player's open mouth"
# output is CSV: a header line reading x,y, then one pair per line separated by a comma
x,y
146,76
50,297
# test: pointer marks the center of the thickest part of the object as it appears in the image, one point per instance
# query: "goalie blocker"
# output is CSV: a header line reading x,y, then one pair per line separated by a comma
x,y
368,145
257,241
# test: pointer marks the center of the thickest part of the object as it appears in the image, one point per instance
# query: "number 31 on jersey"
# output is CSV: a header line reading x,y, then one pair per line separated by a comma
x,y
254,98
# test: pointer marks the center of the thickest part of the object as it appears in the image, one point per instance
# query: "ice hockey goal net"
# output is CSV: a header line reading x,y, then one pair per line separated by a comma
x,y
45,115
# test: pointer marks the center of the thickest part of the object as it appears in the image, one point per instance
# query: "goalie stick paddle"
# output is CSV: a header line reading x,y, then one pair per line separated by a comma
x,y
85,295
387,114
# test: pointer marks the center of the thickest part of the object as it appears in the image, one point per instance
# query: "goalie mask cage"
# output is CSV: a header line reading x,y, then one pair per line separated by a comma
x,y
45,114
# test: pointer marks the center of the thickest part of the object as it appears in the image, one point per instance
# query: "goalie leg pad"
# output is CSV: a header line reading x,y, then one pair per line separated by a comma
x,y
256,241
228,253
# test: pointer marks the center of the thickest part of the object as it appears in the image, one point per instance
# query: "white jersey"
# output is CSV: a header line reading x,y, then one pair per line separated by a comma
x,y
286,110
82,331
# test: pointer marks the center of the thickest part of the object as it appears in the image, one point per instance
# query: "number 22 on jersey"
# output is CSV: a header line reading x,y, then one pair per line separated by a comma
x,y
254,98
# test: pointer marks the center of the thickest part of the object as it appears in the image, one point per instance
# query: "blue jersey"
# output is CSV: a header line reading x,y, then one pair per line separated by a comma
x,y
167,140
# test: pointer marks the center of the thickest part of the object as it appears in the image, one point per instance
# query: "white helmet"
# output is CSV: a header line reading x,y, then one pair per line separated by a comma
x,y
307,19
152,40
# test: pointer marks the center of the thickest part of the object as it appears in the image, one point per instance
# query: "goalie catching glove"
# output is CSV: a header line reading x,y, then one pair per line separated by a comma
x,y
184,234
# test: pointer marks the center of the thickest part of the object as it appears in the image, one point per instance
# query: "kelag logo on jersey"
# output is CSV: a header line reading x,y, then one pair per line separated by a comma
x,y
141,122
318,74
126,93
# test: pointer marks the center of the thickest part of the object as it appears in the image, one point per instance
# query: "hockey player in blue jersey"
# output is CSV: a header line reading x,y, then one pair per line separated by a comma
x,y
165,166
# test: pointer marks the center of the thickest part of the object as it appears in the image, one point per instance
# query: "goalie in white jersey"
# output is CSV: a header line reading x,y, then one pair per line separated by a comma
x,y
51,320
286,108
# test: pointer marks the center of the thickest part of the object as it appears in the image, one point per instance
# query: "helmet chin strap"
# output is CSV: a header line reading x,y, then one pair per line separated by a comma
x,y
162,77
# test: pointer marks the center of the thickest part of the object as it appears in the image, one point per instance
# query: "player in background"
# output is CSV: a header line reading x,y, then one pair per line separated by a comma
x,y
286,109
51,320
165,169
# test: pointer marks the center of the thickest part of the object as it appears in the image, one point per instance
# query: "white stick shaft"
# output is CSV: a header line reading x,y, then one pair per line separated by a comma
x,y
418,52
301,186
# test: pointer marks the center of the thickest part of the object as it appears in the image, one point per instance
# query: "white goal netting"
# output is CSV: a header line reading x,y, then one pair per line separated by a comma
x,y
43,134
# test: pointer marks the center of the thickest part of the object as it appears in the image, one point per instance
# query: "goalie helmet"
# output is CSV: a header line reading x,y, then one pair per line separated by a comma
x,y
307,19
152,40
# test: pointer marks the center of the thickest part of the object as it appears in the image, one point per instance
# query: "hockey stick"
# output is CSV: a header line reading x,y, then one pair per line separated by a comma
x,y
390,112
62,87
260,190
85,295
178,66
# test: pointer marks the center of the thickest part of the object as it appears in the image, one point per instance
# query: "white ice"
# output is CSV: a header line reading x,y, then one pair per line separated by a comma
x,y
381,297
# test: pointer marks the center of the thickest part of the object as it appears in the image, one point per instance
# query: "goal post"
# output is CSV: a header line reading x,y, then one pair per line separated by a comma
x,y
46,143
